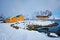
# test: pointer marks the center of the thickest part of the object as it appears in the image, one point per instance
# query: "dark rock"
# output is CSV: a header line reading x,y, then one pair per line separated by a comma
x,y
33,27
12,25
58,32
41,26
16,27
54,24
51,25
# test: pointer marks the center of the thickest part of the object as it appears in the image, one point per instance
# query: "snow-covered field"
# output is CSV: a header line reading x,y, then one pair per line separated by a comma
x,y
9,33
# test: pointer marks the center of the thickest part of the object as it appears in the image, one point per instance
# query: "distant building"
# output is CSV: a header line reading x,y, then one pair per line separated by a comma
x,y
42,17
43,14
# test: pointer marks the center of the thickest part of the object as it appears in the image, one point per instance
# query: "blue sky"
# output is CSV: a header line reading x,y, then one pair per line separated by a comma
x,y
28,7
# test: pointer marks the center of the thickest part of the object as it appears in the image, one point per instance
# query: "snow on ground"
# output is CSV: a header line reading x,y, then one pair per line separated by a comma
x,y
34,22
53,34
40,22
9,33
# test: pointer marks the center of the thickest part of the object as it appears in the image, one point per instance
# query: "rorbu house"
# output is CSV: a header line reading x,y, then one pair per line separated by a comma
x,y
42,17
20,17
15,19
7,20
11,20
44,14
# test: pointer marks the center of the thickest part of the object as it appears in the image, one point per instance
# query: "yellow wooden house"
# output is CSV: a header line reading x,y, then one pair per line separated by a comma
x,y
21,18
7,20
15,19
